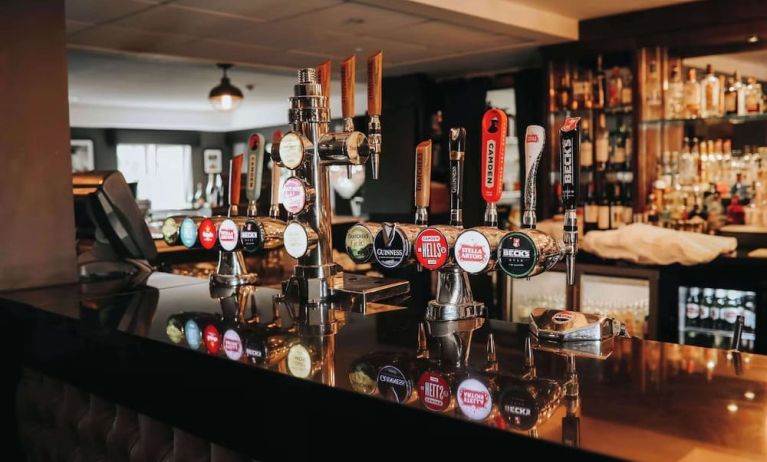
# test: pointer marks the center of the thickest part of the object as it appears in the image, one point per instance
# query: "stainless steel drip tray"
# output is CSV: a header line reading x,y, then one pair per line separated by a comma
x,y
359,294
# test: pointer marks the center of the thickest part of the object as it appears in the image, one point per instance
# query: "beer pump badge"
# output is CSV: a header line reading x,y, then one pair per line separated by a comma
x,y
472,251
174,330
293,195
474,399
169,230
252,236
207,234
192,333
389,245
228,234
291,151
393,385
232,345
299,361
188,232
434,391
359,244
517,254
431,249
212,338
295,240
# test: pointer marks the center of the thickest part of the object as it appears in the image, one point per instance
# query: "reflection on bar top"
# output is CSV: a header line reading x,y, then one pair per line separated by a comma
x,y
646,401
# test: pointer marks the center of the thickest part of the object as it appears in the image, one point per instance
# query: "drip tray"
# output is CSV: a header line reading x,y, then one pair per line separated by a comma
x,y
362,294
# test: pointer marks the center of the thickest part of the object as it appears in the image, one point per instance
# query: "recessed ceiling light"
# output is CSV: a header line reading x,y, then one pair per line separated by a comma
x,y
752,38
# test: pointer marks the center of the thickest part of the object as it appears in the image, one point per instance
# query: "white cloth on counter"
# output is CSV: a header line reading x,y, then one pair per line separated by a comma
x,y
651,245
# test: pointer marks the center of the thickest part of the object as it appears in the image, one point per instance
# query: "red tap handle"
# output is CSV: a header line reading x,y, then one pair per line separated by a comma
x,y
494,128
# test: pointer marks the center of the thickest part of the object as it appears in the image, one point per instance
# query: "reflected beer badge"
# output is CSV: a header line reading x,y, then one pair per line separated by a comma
x,y
474,399
434,391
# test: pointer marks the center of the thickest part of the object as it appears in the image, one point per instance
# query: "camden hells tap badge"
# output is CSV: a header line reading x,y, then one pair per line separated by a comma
x,y
474,399
434,391
431,249
517,254
472,251
390,246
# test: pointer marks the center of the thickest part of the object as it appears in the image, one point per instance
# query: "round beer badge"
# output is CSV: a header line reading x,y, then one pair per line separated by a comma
x,y
434,391
170,231
291,151
252,236
255,349
474,399
188,232
472,251
299,361
518,408
393,385
293,195
228,234
390,247
517,254
212,338
232,345
295,240
207,234
192,334
431,249
359,244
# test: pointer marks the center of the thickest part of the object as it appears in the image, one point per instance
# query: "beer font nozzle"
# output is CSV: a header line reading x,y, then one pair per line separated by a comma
x,y
535,137
570,145
494,129
274,209
422,182
348,74
457,153
375,65
255,172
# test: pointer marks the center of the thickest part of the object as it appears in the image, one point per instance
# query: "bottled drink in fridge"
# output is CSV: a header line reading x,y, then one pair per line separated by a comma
x,y
692,305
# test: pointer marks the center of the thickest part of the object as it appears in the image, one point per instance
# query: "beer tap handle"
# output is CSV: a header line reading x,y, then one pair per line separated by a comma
x,y
375,65
235,180
255,172
494,129
423,343
274,210
535,138
492,356
569,158
348,75
457,153
422,182
323,78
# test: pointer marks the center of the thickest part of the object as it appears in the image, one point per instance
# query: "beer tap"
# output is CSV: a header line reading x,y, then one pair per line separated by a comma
x,y
375,65
274,210
422,182
308,150
348,71
494,129
529,251
255,172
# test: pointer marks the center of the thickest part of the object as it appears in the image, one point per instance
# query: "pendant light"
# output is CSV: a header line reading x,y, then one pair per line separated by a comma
x,y
225,96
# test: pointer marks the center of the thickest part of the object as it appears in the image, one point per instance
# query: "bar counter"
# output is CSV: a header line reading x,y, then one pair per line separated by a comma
x,y
639,400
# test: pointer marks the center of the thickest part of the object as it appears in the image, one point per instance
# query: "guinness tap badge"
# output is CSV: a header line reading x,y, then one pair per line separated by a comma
x,y
390,246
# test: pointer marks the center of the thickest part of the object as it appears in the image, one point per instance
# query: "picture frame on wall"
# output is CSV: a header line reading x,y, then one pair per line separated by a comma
x,y
213,160
83,158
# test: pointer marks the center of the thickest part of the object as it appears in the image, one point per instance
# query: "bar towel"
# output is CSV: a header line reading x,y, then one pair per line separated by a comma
x,y
651,245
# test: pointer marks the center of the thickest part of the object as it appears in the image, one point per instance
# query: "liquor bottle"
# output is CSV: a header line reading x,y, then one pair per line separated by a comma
x,y
603,209
626,90
734,96
732,310
692,95
564,91
749,312
652,213
654,93
587,147
753,98
704,316
721,305
695,153
628,205
602,144
709,301
614,88
675,101
692,306
736,215
591,209
710,93
619,153
580,86
598,85
588,95
616,207
739,188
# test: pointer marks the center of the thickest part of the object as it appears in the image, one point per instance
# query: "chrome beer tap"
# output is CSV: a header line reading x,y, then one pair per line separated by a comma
x,y
529,251
308,150
375,66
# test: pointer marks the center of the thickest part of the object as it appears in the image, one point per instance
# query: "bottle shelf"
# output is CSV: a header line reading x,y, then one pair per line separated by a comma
x,y
718,332
729,118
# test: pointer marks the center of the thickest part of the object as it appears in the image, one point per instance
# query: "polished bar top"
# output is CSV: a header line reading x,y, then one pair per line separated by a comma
x,y
639,400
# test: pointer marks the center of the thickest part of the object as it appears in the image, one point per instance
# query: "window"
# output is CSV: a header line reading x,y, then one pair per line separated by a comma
x,y
163,173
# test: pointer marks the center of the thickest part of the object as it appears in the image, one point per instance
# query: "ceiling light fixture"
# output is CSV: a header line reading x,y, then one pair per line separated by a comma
x,y
225,96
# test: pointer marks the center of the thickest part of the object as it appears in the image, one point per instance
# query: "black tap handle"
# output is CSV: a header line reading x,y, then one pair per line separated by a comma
x,y
457,153
569,161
